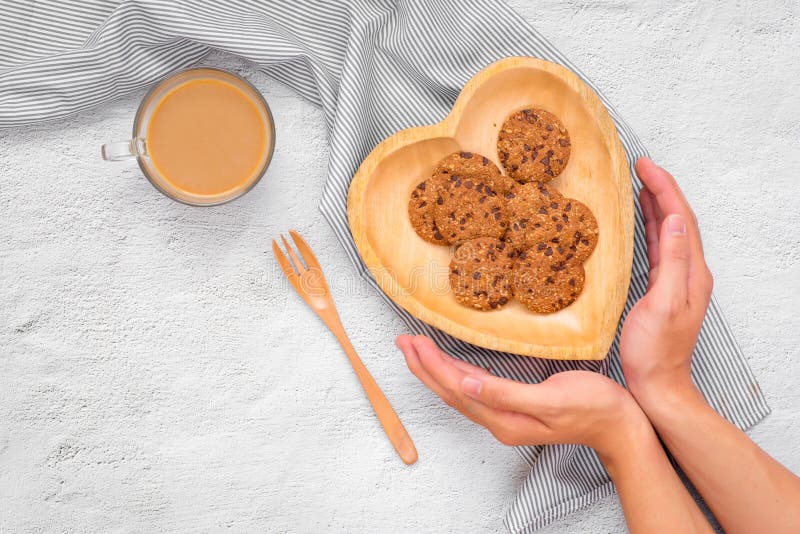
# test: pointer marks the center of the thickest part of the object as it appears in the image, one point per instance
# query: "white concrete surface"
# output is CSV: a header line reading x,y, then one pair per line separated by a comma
x,y
156,374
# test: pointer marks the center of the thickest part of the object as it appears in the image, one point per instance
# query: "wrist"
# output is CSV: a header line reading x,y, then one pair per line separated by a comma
x,y
659,398
661,389
668,406
631,440
629,425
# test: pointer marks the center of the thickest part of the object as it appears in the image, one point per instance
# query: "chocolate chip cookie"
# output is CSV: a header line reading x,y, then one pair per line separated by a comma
x,y
531,209
420,210
533,145
581,231
466,208
545,285
475,167
481,273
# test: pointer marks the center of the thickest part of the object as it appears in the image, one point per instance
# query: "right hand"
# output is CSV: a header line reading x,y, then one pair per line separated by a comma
x,y
661,330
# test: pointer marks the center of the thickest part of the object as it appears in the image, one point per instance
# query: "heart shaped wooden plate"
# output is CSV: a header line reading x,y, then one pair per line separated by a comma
x,y
414,273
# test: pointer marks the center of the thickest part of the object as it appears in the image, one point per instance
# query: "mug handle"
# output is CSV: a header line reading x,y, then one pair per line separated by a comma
x,y
123,149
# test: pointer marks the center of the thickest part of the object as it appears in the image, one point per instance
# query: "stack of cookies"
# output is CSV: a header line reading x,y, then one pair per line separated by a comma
x,y
514,235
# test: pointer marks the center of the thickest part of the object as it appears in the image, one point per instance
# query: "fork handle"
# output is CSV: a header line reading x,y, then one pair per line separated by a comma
x,y
389,420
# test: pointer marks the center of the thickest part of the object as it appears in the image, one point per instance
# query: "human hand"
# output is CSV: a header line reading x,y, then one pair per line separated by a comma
x,y
570,407
661,330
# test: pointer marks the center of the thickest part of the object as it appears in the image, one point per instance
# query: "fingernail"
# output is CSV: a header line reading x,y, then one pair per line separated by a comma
x,y
471,387
675,225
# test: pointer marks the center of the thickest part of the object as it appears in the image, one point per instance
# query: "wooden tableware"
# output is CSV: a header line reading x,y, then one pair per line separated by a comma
x,y
413,273
307,279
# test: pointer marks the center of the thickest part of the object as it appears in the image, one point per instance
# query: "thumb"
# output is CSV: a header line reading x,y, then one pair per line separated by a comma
x,y
502,394
672,285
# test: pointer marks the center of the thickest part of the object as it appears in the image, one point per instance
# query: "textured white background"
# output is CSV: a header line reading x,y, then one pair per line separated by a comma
x,y
156,374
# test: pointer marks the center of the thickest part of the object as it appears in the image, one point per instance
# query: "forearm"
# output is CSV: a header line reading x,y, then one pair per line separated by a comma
x,y
653,497
747,490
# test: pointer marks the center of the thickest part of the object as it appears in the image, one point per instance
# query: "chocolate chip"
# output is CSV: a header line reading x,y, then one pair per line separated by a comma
x,y
509,195
548,251
559,227
572,282
468,184
439,200
549,171
497,216
564,217
568,206
466,155
421,186
422,204
485,161
549,280
482,200
563,142
476,276
543,210
514,167
550,152
438,236
503,300
541,246
549,128
545,161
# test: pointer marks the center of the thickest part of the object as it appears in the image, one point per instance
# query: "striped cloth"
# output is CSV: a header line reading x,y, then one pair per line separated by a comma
x,y
374,66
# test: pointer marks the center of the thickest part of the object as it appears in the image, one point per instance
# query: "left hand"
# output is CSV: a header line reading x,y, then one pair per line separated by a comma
x,y
570,407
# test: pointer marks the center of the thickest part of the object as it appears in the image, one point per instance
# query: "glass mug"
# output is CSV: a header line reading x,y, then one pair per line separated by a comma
x,y
203,136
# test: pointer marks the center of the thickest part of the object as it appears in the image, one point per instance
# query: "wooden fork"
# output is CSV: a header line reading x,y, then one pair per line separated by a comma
x,y
310,284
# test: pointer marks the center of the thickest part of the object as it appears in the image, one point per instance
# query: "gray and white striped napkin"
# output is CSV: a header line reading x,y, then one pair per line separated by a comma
x,y
374,66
